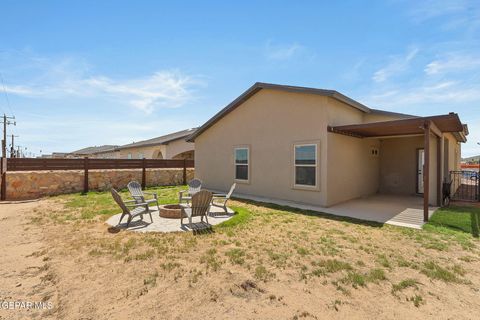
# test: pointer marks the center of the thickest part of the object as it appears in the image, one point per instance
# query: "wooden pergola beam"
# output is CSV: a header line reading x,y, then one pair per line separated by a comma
x,y
434,129
426,169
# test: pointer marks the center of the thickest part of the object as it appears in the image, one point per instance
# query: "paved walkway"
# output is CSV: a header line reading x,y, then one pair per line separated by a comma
x,y
217,215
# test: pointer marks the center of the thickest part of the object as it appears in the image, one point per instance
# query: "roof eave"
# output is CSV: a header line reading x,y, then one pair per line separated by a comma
x,y
261,85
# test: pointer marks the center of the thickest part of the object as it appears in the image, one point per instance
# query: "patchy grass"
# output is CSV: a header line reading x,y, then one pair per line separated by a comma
x,y
329,266
404,284
434,271
261,273
93,204
236,255
417,300
210,258
305,252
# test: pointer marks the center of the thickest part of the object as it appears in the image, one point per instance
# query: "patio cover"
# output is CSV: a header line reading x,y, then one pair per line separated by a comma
x,y
413,126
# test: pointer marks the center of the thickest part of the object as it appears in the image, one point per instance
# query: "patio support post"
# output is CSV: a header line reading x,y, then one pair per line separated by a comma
x,y
426,171
439,171
436,132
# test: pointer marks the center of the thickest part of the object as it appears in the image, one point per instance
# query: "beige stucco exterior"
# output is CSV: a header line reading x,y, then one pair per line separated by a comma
x,y
177,149
271,122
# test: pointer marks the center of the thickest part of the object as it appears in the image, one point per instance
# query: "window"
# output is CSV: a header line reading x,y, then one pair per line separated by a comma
x,y
129,156
306,165
140,156
241,164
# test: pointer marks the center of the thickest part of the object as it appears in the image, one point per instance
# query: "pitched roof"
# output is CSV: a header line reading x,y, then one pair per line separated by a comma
x,y
260,85
95,149
159,140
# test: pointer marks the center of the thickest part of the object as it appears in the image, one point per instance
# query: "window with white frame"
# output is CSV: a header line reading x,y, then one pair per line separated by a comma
x,y
306,165
140,156
129,156
241,163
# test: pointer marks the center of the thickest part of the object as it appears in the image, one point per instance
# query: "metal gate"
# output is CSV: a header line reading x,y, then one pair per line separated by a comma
x,y
465,185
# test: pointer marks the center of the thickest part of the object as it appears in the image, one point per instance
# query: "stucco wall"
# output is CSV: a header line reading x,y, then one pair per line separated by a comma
x,y
23,185
398,165
150,152
270,122
178,146
168,151
352,170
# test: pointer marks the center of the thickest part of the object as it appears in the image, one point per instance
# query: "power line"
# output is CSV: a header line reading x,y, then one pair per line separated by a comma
x,y
5,93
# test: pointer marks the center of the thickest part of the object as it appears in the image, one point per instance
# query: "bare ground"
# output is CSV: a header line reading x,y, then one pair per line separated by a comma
x,y
278,265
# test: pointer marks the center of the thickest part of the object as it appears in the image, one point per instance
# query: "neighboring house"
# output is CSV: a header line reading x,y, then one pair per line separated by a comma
x,y
56,155
105,151
472,160
319,147
170,146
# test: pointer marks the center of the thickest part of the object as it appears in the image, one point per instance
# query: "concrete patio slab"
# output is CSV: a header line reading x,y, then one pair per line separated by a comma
x,y
404,211
217,215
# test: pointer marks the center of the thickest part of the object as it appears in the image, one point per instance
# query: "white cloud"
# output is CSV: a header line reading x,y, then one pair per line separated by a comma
x,y
427,9
396,66
452,63
283,52
66,77
461,15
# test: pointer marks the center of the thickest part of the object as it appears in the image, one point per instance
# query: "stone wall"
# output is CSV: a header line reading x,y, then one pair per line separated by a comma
x,y
23,185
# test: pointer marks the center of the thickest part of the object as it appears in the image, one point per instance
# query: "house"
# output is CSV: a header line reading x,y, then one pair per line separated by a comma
x,y
105,151
170,146
321,148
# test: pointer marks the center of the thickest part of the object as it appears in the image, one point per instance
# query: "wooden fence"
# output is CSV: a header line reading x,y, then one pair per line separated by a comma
x,y
86,164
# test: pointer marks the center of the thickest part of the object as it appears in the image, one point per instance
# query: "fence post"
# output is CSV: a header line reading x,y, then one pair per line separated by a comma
x,y
144,175
184,171
3,173
85,175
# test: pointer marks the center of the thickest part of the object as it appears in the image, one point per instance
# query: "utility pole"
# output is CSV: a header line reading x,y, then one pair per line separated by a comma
x,y
12,146
3,167
6,121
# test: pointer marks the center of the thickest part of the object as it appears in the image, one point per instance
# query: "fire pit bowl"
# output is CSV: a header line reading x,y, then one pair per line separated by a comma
x,y
171,211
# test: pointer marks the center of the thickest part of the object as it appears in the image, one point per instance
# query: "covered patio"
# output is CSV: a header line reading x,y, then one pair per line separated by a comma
x,y
416,207
403,211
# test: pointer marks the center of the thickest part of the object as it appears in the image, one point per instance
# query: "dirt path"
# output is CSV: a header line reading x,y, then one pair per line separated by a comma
x,y
24,274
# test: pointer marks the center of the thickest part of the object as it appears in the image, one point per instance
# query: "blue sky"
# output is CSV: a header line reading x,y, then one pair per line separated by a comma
x,y
81,73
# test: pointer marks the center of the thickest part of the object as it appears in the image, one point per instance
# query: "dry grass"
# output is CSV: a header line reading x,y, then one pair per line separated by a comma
x,y
296,264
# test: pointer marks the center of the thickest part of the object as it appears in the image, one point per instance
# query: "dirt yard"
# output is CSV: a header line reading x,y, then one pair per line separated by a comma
x,y
266,263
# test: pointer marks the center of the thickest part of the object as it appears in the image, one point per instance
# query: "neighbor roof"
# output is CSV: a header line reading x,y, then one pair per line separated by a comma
x,y
159,140
95,149
260,85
